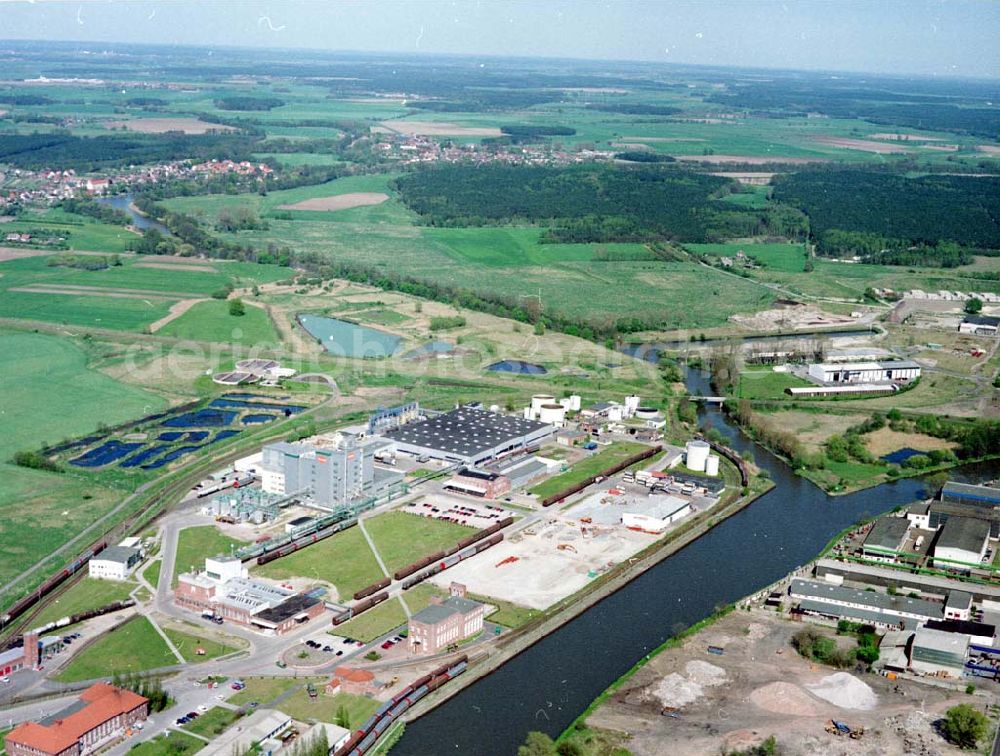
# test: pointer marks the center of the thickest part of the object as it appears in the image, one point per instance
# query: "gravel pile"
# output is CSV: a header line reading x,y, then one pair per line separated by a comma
x,y
846,691
916,732
676,690
786,698
705,674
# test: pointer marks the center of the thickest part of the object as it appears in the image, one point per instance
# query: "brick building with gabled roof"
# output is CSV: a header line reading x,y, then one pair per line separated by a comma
x,y
102,713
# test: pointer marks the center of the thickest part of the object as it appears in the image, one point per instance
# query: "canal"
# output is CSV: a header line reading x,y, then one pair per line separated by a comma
x,y
546,687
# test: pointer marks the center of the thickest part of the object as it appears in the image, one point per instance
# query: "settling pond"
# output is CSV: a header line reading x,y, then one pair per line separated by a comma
x,y
520,367
547,686
344,339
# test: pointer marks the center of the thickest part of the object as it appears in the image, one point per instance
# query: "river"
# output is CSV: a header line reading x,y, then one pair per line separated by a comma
x,y
547,686
123,202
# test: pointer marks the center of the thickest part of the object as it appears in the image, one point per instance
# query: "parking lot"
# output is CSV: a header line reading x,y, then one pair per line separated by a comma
x,y
463,511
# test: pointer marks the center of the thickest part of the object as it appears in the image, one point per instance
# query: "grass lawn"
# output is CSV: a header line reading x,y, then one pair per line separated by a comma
x,y
368,626
263,690
194,544
587,467
174,743
89,593
152,573
766,384
507,614
401,537
213,722
187,644
211,321
324,708
133,647
344,560
379,317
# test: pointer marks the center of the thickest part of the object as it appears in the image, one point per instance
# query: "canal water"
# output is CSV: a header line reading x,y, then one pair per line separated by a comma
x,y
123,202
551,683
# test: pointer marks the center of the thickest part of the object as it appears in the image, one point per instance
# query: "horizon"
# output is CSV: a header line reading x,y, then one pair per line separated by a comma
x,y
896,38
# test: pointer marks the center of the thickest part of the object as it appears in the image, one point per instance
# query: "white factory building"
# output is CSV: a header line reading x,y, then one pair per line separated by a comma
x,y
116,562
962,540
655,514
865,372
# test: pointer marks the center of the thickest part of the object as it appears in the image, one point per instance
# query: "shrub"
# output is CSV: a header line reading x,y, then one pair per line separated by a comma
x,y
964,725
237,308
443,323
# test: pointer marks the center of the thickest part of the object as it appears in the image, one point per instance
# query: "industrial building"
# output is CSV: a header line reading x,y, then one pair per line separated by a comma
x,y
224,590
654,514
526,470
936,652
962,540
257,733
964,500
980,325
468,436
114,563
392,417
472,482
880,609
101,715
330,476
443,623
958,606
886,538
899,371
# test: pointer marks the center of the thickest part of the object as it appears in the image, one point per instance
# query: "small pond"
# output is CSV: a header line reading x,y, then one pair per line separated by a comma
x,y
345,339
516,366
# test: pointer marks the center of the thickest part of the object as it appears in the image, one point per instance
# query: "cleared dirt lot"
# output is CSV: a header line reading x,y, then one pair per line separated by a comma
x,y
760,687
339,201
163,125
543,572
434,128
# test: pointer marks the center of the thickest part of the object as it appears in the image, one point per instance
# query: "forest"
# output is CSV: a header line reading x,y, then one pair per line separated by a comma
x,y
589,203
928,209
234,102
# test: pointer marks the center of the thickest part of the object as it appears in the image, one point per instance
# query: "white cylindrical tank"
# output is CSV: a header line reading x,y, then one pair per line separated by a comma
x,y
574,402
646,413
696,455
529,414
631,405
712,464
553,414
538,400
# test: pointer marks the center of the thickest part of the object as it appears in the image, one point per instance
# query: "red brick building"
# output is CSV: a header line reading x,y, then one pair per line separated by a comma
x,y
359,682
444,623
102,714
489,485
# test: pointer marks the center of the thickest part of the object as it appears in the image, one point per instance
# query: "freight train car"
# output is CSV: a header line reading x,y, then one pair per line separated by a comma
x,y
418,565
373,588
362,606
298,543
21,606
618,467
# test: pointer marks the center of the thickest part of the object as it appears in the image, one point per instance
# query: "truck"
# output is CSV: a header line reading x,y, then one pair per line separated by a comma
x,y
590,446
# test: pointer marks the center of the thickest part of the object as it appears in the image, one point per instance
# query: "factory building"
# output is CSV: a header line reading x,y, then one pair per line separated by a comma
x,y
468,436
964,500
886,538
445,622
963,540
980,325
899,371
655,514
526,470
114,563
958,606
101,715
472,482
936,652
332,476
880,609
224,590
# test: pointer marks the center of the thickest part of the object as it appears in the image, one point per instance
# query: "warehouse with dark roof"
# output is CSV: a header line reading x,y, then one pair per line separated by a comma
x,y
468,435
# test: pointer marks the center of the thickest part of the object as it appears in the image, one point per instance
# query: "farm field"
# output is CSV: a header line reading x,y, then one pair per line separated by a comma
x,y
88,593
787,258
585,468
211,321
194,544
343,560
401,537
132,647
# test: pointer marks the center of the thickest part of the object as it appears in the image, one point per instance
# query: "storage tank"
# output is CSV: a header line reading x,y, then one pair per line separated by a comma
x,y
572,402
631,405
696,456
646,413
553,414
529,414
538,400
712,464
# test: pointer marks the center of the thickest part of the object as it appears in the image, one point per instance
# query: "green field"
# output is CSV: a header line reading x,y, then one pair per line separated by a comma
x,y
766,384
343,560
194,544
88,593
211,321
152,572
585,468
374,623
133,647
212,723
787,258
263,690
324,708
188,645
174,743
401,537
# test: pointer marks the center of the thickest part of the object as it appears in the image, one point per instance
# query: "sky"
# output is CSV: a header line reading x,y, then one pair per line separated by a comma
x,y
923,37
